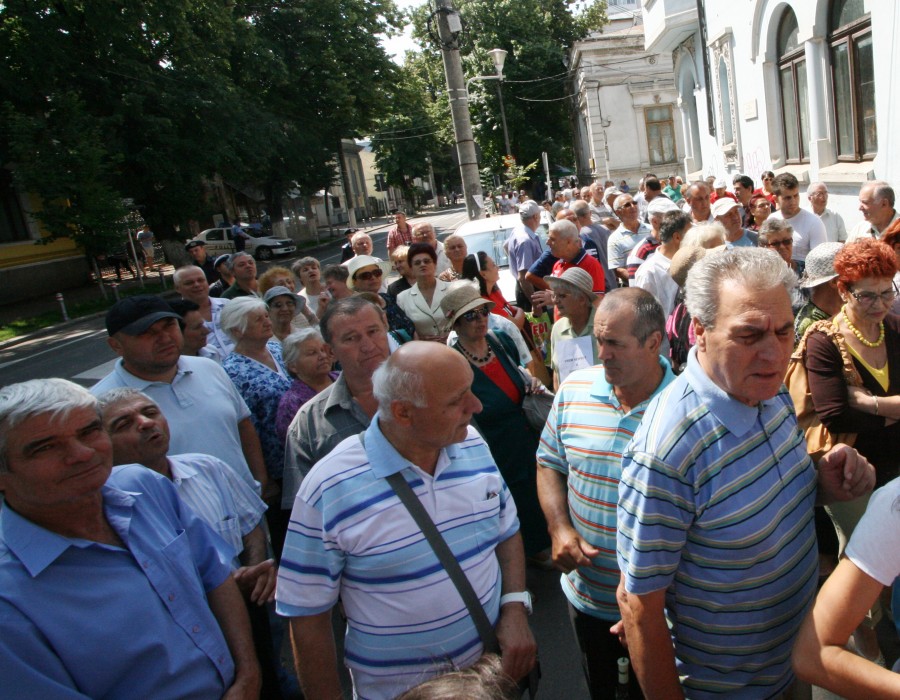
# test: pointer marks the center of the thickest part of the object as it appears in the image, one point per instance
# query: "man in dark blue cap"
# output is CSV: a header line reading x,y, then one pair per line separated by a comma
x,y
197,251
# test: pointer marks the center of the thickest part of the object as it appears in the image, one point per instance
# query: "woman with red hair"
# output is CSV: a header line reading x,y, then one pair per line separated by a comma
x,y
871,335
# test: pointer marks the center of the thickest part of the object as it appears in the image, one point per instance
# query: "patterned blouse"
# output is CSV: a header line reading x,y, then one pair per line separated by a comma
x,y
262,389
299,393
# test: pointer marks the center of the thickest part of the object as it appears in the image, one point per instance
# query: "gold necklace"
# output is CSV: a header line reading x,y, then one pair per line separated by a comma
x,y
862,339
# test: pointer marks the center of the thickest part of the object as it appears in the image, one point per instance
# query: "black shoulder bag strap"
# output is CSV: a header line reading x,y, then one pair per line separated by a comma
x,y
448,561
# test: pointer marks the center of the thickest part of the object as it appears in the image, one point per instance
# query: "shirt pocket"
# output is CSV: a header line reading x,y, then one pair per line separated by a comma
x,y
486,521
180,556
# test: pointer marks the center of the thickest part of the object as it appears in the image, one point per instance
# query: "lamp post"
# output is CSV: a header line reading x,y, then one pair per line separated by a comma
x,y
498,56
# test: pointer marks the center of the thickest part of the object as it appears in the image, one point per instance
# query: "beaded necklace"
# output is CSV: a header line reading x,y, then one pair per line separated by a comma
x,y
474,358
858,333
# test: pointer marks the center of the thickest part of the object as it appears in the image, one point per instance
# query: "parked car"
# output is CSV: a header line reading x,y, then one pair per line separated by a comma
x,y
489,235
260,245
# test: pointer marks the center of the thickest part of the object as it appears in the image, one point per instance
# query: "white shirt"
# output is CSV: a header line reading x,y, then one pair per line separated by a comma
x,y
653,275
622,241
835,230
809,231
865,228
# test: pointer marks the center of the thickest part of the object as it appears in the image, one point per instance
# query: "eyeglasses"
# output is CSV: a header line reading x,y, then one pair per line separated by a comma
x,y
475,314
786,243
869,298
366,276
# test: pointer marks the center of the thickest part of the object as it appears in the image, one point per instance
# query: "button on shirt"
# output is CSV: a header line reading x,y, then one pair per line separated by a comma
x,y
82,619
351,536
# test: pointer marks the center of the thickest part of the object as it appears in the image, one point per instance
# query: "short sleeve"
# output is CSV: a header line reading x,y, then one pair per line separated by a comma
x,y
875,544
551,454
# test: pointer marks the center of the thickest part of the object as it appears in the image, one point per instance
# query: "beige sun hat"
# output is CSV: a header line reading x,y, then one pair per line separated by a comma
x,y
460,298
574,277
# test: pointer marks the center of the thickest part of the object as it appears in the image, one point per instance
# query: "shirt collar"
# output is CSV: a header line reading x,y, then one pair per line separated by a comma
x,y
386,460
602,389
137,383
338,395
738,418
181,469
36,547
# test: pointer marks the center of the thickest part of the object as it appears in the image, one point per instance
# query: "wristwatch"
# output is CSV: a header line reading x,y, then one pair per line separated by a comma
x,y
524,597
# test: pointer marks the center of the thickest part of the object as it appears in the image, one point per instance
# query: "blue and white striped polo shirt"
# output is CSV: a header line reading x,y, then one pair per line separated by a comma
x,y
585,435
350,535
716,506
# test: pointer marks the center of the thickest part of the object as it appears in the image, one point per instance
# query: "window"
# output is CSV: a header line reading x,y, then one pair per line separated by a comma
x,y
660,135
852,78
12,222
792,73
725,97
217,234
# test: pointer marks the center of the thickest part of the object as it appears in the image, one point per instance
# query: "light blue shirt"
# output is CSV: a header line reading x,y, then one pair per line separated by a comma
x,y
81,619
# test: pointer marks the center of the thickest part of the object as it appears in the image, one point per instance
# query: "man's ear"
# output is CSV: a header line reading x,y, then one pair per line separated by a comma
x,y
115,345
700,332
402,412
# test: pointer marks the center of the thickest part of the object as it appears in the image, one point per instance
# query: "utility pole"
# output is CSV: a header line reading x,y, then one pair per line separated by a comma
x,y
449,28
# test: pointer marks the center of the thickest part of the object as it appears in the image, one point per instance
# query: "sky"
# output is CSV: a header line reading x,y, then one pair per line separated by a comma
x,y
398,45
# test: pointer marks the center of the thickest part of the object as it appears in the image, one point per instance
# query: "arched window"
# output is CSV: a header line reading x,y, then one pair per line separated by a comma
x,y
725,96
852,78
792,73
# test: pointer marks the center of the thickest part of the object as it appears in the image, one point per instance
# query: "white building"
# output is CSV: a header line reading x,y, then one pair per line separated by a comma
x,y
627,122
800,87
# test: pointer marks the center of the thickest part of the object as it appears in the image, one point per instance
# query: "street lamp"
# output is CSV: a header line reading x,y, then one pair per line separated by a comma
x,y
498,56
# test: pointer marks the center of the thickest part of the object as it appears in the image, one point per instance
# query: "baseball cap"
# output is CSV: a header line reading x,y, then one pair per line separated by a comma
x,y
134,315
661,205
190,245
529,208
723,206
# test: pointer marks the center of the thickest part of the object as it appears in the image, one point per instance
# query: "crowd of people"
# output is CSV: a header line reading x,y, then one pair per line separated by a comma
x,y
686,374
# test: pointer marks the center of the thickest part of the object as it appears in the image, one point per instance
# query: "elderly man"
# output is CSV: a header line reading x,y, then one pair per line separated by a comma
x,y
197,251
652,190
357,337
594,415
876,202
716,540
809,231
400,233
243,267
361,242
190,283
598,235
820,281
653,275
599,210
697,199
524,248
626,237
727,212
351,537
205,410
817,195
657,208
572,345
425,233
109,585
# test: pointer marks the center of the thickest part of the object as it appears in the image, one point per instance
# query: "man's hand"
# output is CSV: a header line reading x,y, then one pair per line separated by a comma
x,y
844,474
243,689
569,550
518,650
618,630
271,493
257,582
542,298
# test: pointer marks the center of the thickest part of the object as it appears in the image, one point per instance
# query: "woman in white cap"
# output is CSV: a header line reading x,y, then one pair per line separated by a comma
x,y
365,275
501,387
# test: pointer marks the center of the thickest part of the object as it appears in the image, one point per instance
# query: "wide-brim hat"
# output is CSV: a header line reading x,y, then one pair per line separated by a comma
x,y
574,277
682,262
820,265
134,315
460,298
357,263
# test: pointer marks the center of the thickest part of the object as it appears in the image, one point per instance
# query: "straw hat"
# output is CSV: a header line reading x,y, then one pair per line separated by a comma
x,y
460,298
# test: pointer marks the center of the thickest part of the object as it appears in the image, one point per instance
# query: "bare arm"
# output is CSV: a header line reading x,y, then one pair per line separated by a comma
x,y
519,650
226,604
253,454
649,643
569,550
527,287
819,655
256,578
315,657
536,281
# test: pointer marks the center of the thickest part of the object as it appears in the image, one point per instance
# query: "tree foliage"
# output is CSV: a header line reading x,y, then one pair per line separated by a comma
x,y
112,100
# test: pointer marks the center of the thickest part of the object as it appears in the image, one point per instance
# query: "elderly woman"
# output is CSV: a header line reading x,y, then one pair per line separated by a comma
x,y
287,311
481,268
871,336
276,276
407,279
257,370
308,360
456,250
501,387
422,302
760,209
778,235
366,274
309,272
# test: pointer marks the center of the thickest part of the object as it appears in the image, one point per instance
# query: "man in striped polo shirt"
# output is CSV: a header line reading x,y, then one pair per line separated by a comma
x,y
350,536
716,540
594,416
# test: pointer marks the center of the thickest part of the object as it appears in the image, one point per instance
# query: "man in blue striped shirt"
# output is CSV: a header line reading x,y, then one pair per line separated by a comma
x,y
594,416
350,536
716,539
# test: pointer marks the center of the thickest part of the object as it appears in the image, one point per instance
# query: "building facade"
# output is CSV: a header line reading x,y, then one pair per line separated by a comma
x,y
800,87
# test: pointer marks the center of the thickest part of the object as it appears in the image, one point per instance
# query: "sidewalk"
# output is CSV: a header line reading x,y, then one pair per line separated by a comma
x,y
91,292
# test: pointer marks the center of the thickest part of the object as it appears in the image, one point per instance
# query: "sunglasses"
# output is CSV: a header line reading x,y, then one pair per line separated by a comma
x,y
780,244
366,276
475,314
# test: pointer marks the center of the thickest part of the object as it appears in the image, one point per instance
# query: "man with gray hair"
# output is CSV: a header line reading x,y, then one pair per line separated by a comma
x,y
524,248
817,195
361,243
424,232
575,302
716,541
351,537
623,239
597,236
195,288
109,585
876,202
243,267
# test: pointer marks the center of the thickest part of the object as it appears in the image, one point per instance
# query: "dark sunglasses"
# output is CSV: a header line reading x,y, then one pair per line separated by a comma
x,y
366,276
475,314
